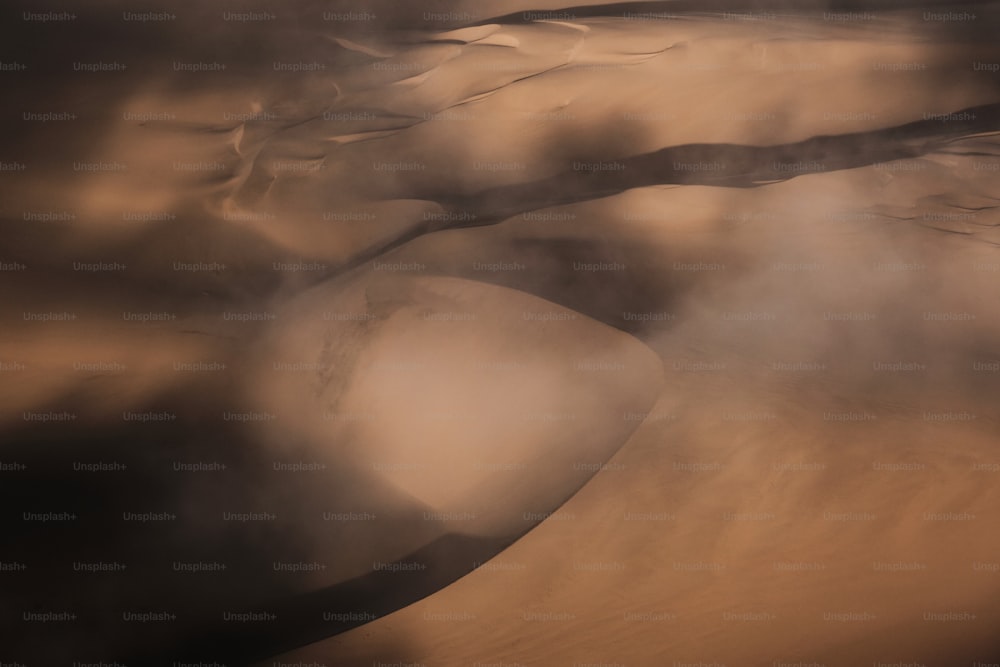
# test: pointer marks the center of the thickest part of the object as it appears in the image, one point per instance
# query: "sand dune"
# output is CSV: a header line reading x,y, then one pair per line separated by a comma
x,y
502,333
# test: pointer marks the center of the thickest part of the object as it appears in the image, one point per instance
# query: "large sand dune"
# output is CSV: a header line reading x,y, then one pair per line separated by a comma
x,y
495,333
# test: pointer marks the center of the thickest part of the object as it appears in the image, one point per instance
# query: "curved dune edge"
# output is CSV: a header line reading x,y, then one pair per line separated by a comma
x,y
486,407
485,403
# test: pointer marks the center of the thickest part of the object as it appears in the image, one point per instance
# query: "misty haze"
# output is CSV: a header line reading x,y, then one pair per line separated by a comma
x,y
502,333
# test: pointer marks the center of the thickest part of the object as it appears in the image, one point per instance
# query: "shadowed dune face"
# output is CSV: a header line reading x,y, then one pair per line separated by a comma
x,y
503,334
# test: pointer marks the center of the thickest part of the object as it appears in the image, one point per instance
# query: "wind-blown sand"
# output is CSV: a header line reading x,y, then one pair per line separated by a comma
x,y
489,334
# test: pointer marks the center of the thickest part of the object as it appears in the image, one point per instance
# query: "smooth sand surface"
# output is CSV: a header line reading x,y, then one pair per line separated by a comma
x,y
488,334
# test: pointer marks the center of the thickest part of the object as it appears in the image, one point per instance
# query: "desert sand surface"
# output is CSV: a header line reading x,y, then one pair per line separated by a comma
x,y
500,334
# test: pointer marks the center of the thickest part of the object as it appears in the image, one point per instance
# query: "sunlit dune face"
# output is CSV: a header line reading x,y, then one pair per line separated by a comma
x,y
458,381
